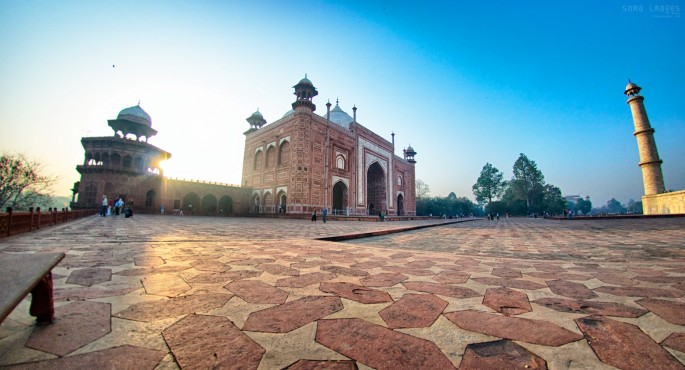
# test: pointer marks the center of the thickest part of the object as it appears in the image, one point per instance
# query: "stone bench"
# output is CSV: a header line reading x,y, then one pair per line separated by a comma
x,y
21,274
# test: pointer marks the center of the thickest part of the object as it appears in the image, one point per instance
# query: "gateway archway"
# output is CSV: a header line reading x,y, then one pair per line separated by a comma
x,y
375,189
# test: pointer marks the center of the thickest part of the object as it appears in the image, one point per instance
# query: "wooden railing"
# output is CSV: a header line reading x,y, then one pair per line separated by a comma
x,y
12,223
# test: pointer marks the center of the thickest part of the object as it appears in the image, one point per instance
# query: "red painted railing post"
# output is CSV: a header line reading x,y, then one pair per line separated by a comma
x,y
9,220
38,210
31,220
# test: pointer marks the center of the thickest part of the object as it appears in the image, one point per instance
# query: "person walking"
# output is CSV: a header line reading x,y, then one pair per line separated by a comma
x,y
324,213
314,215
105,204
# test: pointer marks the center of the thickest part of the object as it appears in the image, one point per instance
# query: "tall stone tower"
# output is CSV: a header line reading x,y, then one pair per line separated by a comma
x,y
650,163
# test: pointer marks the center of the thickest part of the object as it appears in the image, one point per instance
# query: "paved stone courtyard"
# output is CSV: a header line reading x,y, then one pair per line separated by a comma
x,y
157,292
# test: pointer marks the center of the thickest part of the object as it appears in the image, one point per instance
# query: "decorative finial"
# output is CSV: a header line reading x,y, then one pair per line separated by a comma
x,y
139,102
336,101
629,81
258,109
305,75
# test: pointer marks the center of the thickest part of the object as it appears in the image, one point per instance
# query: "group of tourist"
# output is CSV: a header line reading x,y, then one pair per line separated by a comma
x,y
324,214
114,208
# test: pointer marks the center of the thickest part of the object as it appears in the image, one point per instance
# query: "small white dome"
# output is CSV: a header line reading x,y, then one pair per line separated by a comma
x,y
135,114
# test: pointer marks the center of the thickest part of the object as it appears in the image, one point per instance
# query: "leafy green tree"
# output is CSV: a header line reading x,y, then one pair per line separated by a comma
x,y
614,206
22,184
634,207
527,182
552,200
583,205
489,185
422,189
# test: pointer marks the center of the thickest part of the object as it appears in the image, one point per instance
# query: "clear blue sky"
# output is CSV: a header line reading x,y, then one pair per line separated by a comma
x,y
466,83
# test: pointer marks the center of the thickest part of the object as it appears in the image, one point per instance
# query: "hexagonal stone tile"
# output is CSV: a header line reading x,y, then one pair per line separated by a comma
x,y
548,267
509,283
276,269
639,291
514,328
506,301
409,271
323,365
76,324
210,265
305,280
122,357
614,278
292,315
624,345
344,271
673,312
675,341
420,264
591,307
379,347
506,272
385,279
354,292
89,276
570,289
440,289
253,291
172,307
211,342
367,265
252,261
165,284
413,311
451,277
224,277
500,354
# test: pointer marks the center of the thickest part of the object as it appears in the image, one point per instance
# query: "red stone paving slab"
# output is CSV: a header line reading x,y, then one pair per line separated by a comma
x,y
148,261
505,272
344,271
543,275
224,277
172,307
135,272
624,345
548,267
514,328
305,280
379,347
413,311
368,265
507,301
292,315
253,291
76,324
572,276
89,276
570,289
122,357
354,292
211,342
408,271
467,262
509,283
275,269
679,286
662,279
385,279
499,355
451,277
210,265
310,264
322,365
446,290
420,264
675,341
401,255
639,292
673,312
591,307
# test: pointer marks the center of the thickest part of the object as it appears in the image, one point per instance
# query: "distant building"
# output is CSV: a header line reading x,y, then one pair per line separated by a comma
x,y
303,162
297,164
126,166
656,200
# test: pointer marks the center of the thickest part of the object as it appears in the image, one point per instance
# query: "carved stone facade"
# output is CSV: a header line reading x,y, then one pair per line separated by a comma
x,y
304,162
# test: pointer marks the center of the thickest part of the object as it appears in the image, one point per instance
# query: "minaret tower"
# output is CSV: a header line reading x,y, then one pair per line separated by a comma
x,y
650,163
305,91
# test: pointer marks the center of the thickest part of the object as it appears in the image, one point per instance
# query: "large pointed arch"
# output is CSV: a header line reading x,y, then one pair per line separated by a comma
x,y
376,191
